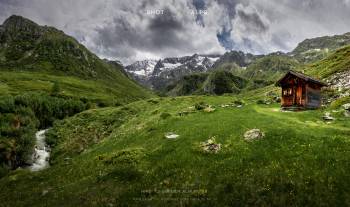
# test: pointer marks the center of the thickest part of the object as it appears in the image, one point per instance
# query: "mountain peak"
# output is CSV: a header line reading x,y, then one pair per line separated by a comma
x,y
17,23
18,20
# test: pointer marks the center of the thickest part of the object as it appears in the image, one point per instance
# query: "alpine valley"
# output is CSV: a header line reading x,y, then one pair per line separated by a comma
x,y
200,130
169,75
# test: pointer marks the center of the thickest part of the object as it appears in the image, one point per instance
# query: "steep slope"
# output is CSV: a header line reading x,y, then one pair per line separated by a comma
x,y
232,78
266,70
46,75
141,71
26,47
335,69
238,58
188,84
337,62
270,67
314,49
216,83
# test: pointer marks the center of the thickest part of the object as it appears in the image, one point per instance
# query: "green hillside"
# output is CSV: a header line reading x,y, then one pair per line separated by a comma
x,y
119,156
45,76
230,78
270,67
33,57
216,82
95,91
338,61
311,50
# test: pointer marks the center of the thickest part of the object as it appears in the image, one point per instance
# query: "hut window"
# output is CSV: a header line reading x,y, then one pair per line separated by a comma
x,y
287,92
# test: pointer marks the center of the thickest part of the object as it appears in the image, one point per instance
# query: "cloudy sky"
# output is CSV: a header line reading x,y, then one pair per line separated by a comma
x,y
130,30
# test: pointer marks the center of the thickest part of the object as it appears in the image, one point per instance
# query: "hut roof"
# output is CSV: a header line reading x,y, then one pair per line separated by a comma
x,y
301,76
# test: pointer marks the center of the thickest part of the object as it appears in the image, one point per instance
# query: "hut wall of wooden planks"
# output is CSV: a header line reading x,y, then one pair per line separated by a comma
x,y
300,91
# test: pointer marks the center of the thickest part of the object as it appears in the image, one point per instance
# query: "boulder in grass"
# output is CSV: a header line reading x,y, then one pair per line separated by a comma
x,y
347,106
253,134
171,135
210,146
209,109
327,117
225,105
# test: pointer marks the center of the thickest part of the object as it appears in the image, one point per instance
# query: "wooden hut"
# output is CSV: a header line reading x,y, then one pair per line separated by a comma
x,y
300,91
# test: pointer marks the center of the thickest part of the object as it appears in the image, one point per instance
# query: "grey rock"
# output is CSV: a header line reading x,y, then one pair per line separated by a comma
x,y
210,146
347,106
171,135
253,134
327,117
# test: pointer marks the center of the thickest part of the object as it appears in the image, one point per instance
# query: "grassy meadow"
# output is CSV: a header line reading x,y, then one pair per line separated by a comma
x,y
98,91
118,156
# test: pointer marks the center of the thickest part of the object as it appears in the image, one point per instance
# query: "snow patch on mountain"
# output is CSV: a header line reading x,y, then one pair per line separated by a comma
x,y
142,68
213,59
169,66
155,74
149,68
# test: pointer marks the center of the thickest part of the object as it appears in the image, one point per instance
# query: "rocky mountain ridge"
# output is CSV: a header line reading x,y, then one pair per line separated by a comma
x,y
158,75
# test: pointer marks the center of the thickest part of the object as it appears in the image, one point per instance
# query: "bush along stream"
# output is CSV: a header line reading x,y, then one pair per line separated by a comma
x,y
22,118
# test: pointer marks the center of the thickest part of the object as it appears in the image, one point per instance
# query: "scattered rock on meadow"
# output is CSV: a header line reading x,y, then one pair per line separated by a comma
x,y
209,109
171,135
266,102
347,106
225,105
210,146
253,134
327,117
347,110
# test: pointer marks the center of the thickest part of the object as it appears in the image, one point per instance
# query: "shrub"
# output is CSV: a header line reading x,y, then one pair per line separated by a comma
x,y
3,170
200,106
238,102
55,90
20,118
7,104
260,101
165,115
153,101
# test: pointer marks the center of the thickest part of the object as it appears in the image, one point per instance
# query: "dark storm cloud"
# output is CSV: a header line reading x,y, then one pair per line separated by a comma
x,y
165,23
164,30
124,30
253,21
159,32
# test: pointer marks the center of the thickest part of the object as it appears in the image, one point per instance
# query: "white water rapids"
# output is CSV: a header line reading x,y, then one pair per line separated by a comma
x,y
41,153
